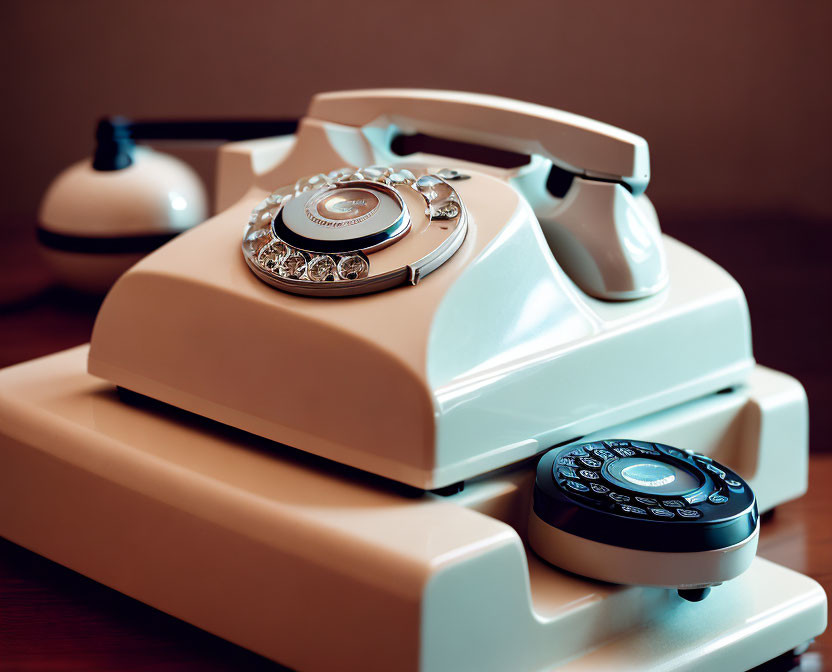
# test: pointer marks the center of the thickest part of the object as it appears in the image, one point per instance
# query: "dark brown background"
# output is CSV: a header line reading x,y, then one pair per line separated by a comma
x,y
733,97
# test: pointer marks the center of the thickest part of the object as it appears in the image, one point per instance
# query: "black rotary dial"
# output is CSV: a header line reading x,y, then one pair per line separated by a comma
x,y
645,496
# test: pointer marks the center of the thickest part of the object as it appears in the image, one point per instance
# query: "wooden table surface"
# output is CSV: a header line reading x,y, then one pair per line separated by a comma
x,y
54,619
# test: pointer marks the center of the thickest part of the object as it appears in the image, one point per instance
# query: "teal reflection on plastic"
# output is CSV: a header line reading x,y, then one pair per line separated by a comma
x,y
511,304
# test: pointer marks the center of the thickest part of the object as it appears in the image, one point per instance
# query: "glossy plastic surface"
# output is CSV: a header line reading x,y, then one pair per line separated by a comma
x,y
158,193
617,564
607,240
157,196
323,568
481,364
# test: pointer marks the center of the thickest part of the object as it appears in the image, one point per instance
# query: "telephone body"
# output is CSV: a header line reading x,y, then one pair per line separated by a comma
x,y
555,320
493,357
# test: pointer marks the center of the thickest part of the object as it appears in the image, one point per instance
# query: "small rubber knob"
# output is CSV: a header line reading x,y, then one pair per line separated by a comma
x,y
694,594
114,144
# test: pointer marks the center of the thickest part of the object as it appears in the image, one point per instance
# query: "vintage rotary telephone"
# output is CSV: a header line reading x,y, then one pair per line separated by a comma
x,y
519,293
423,383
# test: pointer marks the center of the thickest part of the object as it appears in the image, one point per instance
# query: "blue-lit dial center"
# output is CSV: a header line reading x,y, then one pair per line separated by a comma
x,y
648,474
651,476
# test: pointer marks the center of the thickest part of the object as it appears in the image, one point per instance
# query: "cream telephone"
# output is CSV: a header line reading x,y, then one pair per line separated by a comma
x,y
441,285
431,365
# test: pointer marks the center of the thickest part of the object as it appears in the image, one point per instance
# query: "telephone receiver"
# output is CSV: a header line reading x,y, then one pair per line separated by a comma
x,y
603,232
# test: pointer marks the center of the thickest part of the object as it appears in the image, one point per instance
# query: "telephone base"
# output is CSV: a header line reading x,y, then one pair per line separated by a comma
x,y
321,567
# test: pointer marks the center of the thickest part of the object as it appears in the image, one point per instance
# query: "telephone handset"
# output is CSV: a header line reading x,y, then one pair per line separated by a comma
x,y
604,233
579,145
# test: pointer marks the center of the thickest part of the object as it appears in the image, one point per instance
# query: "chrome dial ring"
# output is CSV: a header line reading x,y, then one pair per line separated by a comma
x,y
316,237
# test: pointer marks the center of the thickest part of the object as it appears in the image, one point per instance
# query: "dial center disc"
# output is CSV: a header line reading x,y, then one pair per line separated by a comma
x,y
643,474
649,474
347,217
345,207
